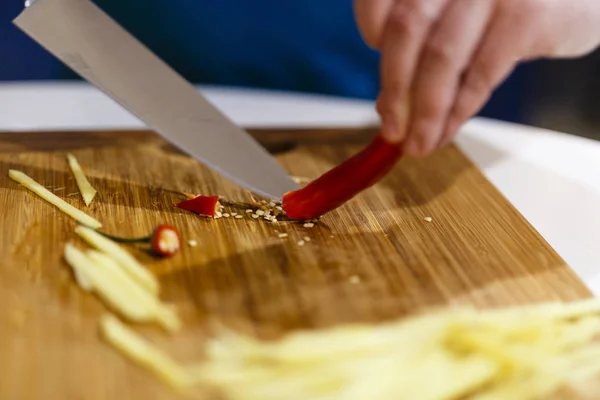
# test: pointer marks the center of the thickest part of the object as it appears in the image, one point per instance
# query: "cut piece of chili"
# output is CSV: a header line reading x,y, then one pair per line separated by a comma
x,y
165,240
344,181
203,205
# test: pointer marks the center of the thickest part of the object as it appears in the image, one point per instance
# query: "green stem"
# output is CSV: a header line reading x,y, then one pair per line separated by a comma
x,y
122,239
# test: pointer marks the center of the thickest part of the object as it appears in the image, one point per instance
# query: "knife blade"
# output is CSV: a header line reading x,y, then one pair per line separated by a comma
x,y
90,42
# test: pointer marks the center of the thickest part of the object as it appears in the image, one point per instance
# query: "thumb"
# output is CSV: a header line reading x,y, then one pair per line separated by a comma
x,y
371,16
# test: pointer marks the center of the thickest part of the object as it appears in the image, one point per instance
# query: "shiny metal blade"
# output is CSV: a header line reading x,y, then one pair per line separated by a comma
x,y
87,40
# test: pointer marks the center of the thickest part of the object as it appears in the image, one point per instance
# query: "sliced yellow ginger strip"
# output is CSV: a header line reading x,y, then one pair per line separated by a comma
x,y
80,265
103,275
105,286
53,199
129,264
144,353
163,314
82,281
519,353
85,188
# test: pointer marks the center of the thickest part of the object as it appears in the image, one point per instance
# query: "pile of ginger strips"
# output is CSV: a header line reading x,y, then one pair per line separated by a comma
x,y
520,353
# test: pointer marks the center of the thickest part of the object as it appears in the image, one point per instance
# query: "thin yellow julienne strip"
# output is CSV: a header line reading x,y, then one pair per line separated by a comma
x,y
107,288
85,188
163,315
76,258
51,198
83,281
519,354
129,264
143,353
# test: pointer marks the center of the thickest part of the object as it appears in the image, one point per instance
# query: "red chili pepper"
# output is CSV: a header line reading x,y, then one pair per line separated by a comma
x,y
166,240
203,205
343,182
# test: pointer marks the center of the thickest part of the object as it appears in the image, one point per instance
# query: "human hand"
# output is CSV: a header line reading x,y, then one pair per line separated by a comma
x,y
446,57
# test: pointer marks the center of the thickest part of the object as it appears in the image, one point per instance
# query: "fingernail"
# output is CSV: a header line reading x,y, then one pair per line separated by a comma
x,y
446,141
451,131
394,124
390,129
413,148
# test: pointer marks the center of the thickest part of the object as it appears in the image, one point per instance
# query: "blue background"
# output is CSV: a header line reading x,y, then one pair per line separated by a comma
x,y
303,45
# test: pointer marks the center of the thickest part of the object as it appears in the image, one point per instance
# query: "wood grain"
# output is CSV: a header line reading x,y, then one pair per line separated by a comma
x,y
476,250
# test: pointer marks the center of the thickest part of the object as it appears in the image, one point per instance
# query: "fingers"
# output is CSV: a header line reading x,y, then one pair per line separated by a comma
x,y
370,17
445,55
494,60
406,28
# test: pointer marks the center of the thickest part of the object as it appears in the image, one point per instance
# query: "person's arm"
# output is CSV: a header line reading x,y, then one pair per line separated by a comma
x,y
442,59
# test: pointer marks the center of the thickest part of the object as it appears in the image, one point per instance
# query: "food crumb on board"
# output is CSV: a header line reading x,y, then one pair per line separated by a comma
x,y
300,180
309,225
238,216
282,235
331,236
248,211
192,243
354,279
226,215
301,243
428,219
254,216
306,239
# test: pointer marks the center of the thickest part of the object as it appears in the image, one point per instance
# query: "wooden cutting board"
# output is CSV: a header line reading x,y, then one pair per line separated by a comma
x,y
373,259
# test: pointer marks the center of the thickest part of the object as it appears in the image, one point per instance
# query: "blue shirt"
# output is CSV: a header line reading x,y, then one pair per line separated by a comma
x,y
300,45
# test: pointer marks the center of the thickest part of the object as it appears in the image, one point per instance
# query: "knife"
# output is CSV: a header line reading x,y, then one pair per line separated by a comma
x,y
87,40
